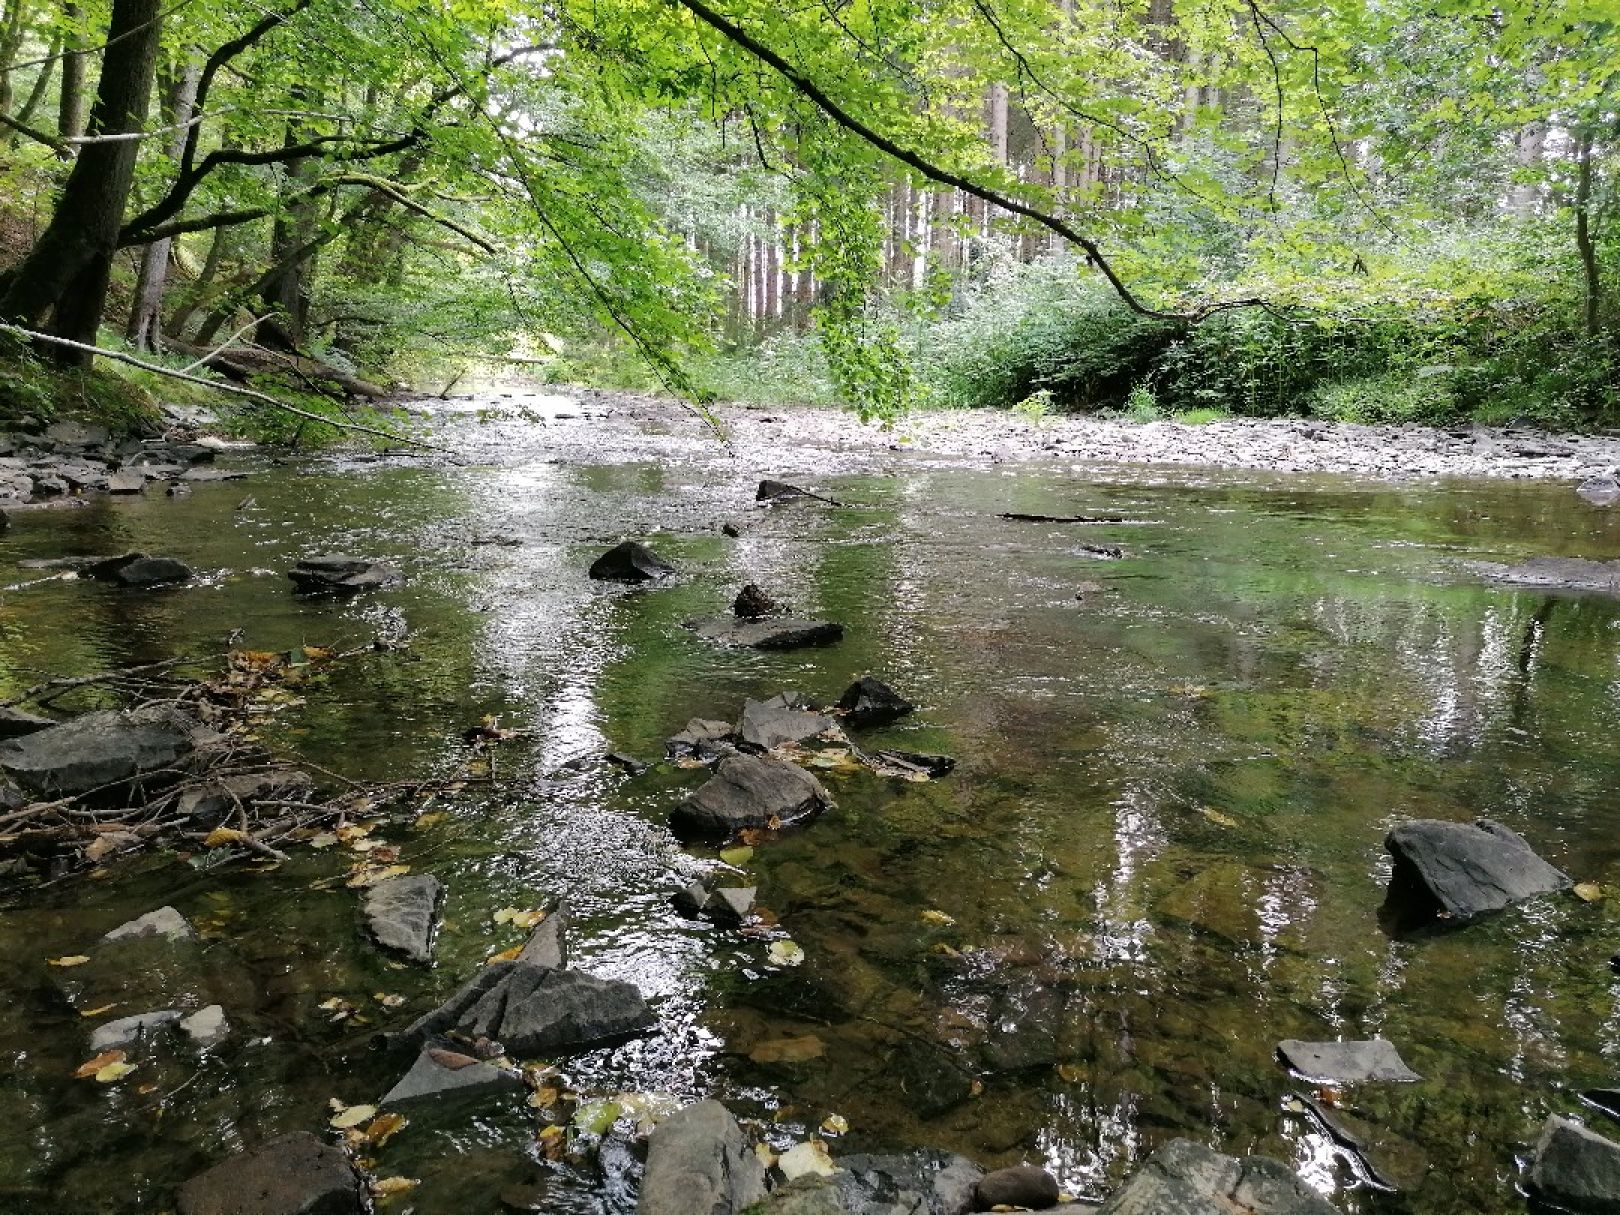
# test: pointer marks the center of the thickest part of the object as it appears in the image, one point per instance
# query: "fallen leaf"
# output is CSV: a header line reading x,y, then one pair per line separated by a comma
x,y
73,959
766,1156
431,819
388,1000
352,1116
737,856
91,1066
220,836
387,1187
506,955
784,953
1071,1073
1216,817
113,1071
370,875
545,1097
1588,892
937,918
100,847
518,917
98,1010
835,1124
324,840
449,1059
384,1127
799,1049
318,653
595,1117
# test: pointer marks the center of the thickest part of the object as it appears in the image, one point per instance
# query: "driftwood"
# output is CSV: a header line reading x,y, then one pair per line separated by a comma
x,y
240,363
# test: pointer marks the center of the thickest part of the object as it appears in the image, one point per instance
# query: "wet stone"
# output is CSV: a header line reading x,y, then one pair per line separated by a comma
x,y
129,481
15,723
730,904
140,571
294,1175
1186,1178
102,749
1022,1185
441,1072
127,1031
691,899
336,574
698,1161
165,922
1600,491
870,702
748,791
402,914
1346,1062
700,738
785,633
779,491
754,604
207,1026
630,562
1576,1169
215,799
768,724
547,945
1461,871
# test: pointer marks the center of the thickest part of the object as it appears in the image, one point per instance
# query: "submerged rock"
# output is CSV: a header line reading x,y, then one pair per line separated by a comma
x,y
871,702
1600,491
1557,573
1460,871
700,738
924,1182
909,765
402,914
294,1175
773,492
698,1163
768,724
1576,1169
139,571
215,799
335,574
126,1031
1346,1062
532,1010
441,1072
103,749
207,1026
784,633
1022,1185
1186,1178
630,562
165,922
748,791
128,481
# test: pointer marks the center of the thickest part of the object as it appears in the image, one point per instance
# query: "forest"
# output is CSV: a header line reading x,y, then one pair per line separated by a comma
x,y
1356,211
827,607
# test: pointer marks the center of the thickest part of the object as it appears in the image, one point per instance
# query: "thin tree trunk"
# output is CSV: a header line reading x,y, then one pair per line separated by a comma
x,y
285,286
70,102
1527,150
1583,234
66,273
13,25
42,83
198,291
773,268
146,313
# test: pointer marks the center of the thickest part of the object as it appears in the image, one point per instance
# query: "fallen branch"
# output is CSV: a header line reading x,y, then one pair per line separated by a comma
x,y
79,681
251,394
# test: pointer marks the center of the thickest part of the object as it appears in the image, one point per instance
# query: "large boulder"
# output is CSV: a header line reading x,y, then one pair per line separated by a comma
x,y
1346,1062
748,791
630,562
1460,871
536,1010
698,1163
294,1175
767,724
335,574
1186,1178
139,571
871,702
1576,1169
783,633
402,914
103,749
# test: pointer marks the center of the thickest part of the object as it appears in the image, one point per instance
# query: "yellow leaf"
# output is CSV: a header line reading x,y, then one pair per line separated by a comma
x,y
938,918
1589,892
506,955
370,875
104,1008
220,836
317,653
387,1187
1216,817
113,1071
431,819
353,1115
835,1124
384,1127
737,856
105,1059
323,840
74,959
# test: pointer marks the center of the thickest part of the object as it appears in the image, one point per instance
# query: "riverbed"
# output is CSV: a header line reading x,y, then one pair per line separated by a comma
x,y
1159,853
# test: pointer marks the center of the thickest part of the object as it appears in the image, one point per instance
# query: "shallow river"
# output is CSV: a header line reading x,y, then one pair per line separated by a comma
x,y
1160,851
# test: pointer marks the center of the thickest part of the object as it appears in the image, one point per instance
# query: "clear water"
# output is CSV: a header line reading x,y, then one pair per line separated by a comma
x,y
1161,848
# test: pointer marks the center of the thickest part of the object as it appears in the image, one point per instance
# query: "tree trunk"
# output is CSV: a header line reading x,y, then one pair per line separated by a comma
x,y
285,287
12,27
70,103
198,291
146,313
66,273
1527,150
1583,234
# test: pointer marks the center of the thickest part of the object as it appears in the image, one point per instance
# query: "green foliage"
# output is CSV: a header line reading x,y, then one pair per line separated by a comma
x,y
32,389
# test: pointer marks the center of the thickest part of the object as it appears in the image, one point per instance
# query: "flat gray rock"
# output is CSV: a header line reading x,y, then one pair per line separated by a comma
x,y
139,571
1186,1178
1576,1169
1346,1062
535,1010
207,1026
336,574
441,1072
402,914
126,1031
784,633
1556,573
165,922
765,725
1465,870
294,1175
101,749
730,904
748,791
547,945
698,1163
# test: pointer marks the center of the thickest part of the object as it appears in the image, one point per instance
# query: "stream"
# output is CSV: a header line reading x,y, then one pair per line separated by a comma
x,y
1160,851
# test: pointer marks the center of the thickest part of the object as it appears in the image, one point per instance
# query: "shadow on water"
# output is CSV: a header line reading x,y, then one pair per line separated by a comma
x,y
1160,851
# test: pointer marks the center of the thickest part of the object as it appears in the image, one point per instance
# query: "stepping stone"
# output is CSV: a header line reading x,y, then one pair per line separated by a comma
x,y
768,724
630,562
748,791
335,574
1576,1169
441,1072
871,702
294,1175
698,1161
1460,871
785,633
139,571
1346,1062
1186,1178
402,914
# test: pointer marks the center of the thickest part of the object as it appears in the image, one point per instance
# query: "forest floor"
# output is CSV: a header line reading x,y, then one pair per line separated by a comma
x,y
1290,445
